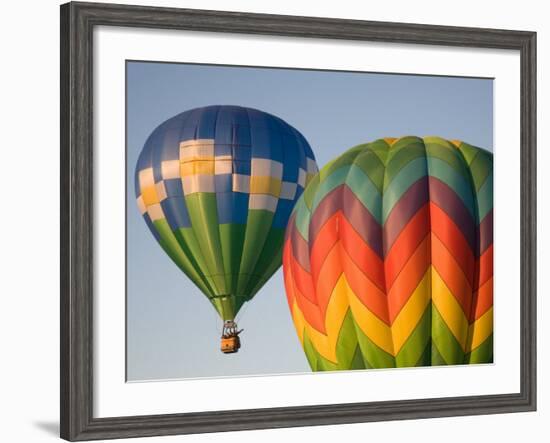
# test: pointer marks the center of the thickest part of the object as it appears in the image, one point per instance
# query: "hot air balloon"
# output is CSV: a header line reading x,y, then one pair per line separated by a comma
x,y
216,186
388,257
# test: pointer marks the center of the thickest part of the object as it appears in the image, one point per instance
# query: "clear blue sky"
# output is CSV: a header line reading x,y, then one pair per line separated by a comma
x,y
173,331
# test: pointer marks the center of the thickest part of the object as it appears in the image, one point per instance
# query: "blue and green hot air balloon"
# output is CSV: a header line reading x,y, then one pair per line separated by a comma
x,y
216,186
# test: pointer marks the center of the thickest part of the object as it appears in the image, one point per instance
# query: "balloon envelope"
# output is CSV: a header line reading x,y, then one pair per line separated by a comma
x,y
388,257
216,186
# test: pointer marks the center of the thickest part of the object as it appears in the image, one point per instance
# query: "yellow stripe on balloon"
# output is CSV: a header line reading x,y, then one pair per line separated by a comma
x,y
450,309
480,330
298,320
411,313
336,311
374,328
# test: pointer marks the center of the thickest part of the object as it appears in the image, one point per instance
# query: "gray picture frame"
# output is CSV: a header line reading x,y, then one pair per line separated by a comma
x,y
77,23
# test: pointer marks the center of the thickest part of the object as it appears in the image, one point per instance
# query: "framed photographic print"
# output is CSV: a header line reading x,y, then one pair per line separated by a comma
x,y
273,221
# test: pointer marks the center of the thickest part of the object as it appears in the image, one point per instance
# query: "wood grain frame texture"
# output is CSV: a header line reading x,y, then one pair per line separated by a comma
x,y
77,23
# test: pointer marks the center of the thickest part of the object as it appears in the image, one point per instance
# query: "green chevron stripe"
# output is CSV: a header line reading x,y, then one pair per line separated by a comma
x,y
412,172
426,357
357,362
374,356
482,354
460,184
380,148
437,358
412,350
330,183
346,159
303,216
469,152
346,344
348,352
446,152
485,197
365,191
481,168
371,165
400,157
444,340
316,361
310,191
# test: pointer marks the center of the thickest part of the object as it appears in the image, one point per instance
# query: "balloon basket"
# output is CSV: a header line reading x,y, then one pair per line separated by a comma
x,y
230,342
230,345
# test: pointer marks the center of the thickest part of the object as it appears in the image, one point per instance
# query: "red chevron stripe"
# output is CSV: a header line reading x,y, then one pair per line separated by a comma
x,y
453,239
343,199
486,232
408,205
310,311
482,300
366,291
329,274
445,198
364,258
485,267
408,279
406,244
302,280
326,238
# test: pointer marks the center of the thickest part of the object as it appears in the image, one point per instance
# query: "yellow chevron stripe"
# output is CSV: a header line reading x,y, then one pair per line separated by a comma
x,y
411,313
450,309
299,321
430,288
334,317
374,328
480,330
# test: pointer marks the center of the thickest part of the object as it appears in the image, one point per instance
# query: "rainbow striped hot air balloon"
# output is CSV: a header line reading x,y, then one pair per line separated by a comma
x,y
216,186
388,257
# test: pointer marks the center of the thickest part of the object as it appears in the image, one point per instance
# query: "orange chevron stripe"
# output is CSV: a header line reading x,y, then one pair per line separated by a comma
x,y
406,244
451,274
409,277
302,279
483,300
364,258
324,243
452,237
364,289
311,312
329,274
485,266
